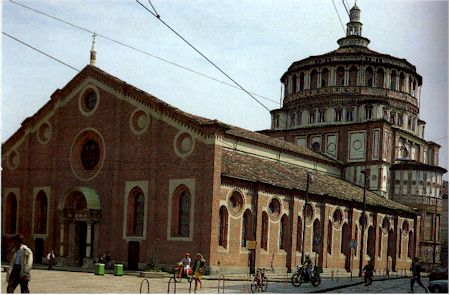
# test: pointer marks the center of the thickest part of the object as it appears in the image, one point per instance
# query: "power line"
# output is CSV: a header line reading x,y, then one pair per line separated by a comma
x,y
136,49
338,16
157,16
40,51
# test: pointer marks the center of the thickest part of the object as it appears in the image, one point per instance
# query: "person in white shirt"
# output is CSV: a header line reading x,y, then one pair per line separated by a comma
x,y
20,266
51,259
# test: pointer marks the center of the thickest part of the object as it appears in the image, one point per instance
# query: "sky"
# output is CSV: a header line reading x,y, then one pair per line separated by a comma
x,y
253,41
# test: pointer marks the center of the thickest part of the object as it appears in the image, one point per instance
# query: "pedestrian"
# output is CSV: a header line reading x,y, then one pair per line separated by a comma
x,y
107,260
101,259
416,269
51,259
21,262
368,273
199,270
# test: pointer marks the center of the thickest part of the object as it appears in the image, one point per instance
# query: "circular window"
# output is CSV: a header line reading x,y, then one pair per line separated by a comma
x,y
316,147
90,154
331,147
405,227
274,208
89,100
421,182
13,160
87,154
139,122
236,203
184,144
397,182
374,177
309,212
337,218
405,182
357,144
44,133
414,182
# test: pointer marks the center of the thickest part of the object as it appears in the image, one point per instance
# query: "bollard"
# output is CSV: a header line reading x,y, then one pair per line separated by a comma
x,y
190,285
221,279
148,286
285,281
332,275
337,275
174,287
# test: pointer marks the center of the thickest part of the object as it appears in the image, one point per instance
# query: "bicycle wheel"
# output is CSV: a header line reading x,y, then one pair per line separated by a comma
x,y
315,281
254,286
296,280
264,284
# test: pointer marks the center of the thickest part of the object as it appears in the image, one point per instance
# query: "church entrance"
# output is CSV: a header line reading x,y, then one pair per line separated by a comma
x,y
80,210
38,250
133,255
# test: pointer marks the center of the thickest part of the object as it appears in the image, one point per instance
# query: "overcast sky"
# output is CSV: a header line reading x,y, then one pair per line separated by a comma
x,y
252,41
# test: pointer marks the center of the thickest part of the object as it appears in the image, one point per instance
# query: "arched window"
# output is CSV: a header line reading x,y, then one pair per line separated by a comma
x,y
302,81
136,212
40,213
223,226
394,80
380,242
357,240
369,77
410,244
284,233
325,77
353,76
413,91
380,78
340,76
264,230
345,239
317,238
294,83
11,214
402,82
371,240
181,211
246,227
391,244
313,79
299,233
330,237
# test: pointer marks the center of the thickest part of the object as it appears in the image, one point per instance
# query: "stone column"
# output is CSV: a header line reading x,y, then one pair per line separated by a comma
x,y
88,240
346,77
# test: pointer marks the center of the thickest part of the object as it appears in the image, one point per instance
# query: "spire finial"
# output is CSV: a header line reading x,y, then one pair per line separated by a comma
x,y
93,52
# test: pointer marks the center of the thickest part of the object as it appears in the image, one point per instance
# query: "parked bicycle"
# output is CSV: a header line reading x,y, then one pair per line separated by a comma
x,y
302,276
260,281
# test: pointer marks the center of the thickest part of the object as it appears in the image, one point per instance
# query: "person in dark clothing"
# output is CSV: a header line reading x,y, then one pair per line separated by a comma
x,y
20,266
368,273
415,269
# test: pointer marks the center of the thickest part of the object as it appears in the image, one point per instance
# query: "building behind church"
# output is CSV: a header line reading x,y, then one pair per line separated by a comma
x,y
104,166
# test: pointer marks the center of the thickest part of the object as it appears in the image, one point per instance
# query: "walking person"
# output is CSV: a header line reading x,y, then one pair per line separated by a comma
x,y
415,269
199,270
20,266
51,259
368,273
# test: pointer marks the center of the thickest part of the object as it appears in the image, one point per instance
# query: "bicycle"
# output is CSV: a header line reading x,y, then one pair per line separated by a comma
x,y
179,274
260,281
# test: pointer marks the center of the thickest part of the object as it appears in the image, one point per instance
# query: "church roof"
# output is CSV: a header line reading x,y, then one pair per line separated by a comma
x,y
250,168
207,126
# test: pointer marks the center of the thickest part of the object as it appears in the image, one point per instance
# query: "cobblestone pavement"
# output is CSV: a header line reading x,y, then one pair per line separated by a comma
x,y
58,281
388,286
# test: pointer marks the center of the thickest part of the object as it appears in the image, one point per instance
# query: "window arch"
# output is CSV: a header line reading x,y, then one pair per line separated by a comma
x,y
313,84
11,214
371,240
294,83
264,230
284,233
410,244
246,227
380,78
402,82
40,213
393,80
136,212
302,81
299,233
317,238
223,226
353,76
181,212
325,77
369,77
380,241
340,76
345,239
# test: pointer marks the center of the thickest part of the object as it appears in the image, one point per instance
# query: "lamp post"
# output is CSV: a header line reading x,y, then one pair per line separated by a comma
x,y
363,224
309,178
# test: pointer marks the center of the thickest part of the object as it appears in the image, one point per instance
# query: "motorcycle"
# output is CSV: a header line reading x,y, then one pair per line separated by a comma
x,y
301,276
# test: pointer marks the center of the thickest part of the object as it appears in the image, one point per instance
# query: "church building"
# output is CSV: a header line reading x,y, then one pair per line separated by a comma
x,y
345,169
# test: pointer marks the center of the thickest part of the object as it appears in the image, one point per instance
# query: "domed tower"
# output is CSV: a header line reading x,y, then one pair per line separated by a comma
x,y
361,107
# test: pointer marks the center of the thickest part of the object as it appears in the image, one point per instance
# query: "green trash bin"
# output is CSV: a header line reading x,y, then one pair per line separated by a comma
x,y
118,269
99,269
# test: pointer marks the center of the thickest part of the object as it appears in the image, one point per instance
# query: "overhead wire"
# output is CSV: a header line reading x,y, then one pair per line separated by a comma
x,y
137,49
40,51
157,16
340,20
